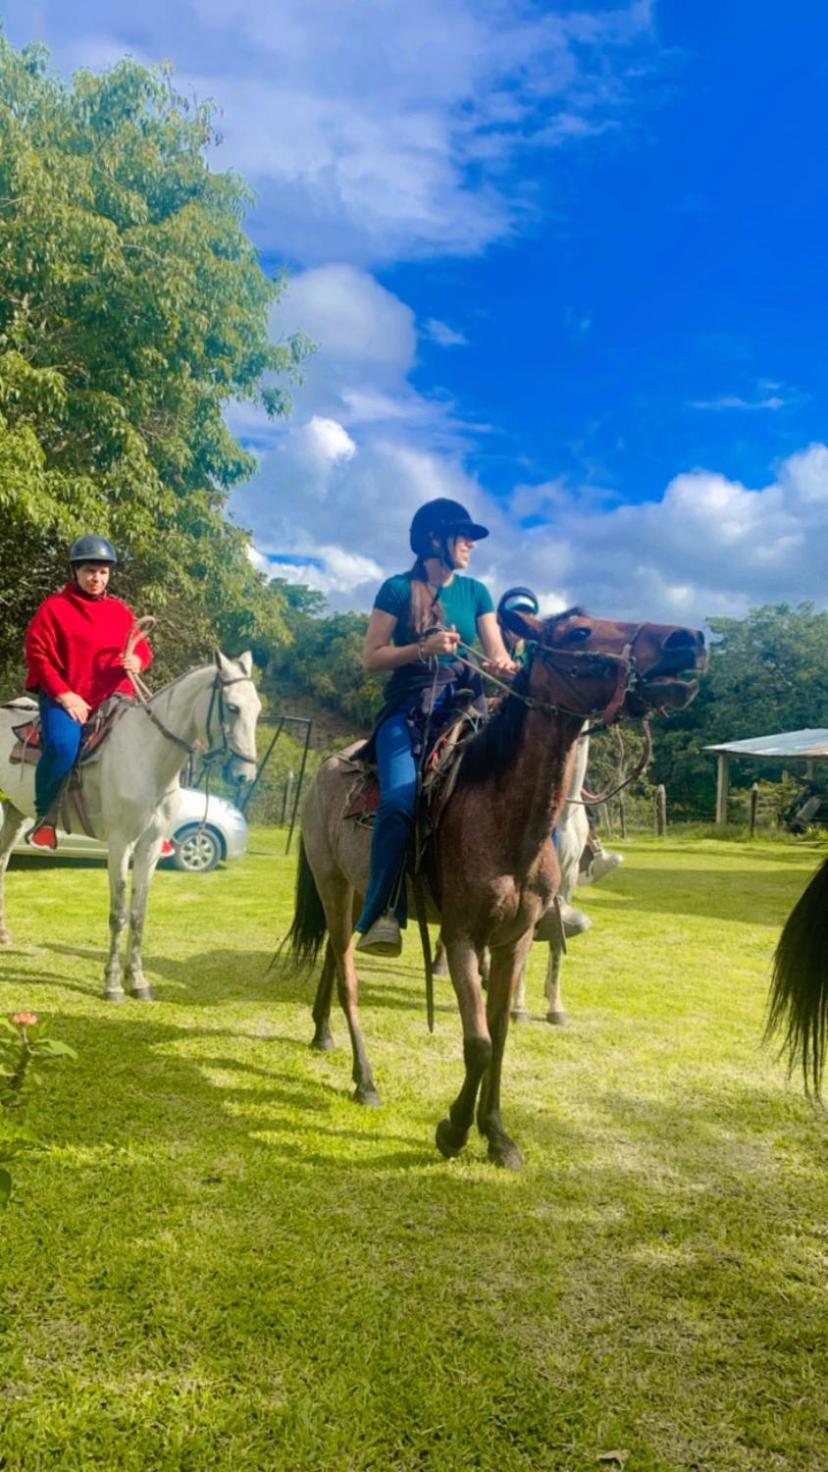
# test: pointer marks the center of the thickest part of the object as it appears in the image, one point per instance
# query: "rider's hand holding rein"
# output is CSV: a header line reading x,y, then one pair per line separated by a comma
x,y
132,664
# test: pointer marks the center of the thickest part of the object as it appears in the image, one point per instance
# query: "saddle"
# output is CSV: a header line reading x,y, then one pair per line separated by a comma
x,y
440,771
28,748
28,744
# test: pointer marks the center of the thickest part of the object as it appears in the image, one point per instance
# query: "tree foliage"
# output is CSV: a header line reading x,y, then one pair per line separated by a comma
x,y
133,308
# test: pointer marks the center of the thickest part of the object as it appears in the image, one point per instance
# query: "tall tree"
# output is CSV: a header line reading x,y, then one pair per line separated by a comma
x,y
132,309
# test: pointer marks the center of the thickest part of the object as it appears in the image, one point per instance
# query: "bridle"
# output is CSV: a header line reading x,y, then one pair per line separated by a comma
x,y
586,664
145,698
570,666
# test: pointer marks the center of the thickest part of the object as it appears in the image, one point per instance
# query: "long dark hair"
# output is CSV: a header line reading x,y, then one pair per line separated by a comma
x,y
424,610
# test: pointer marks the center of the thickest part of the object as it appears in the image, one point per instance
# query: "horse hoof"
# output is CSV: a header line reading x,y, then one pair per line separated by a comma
x,y
323,1042
115,994
142,994
506,1155
557,1019
447,1140
520,1014
366,1095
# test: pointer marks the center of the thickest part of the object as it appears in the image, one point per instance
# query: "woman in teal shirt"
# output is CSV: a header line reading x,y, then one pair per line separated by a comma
x,y
418,620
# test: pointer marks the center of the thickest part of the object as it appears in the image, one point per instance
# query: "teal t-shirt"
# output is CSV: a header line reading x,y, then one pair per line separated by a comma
x,y
460,603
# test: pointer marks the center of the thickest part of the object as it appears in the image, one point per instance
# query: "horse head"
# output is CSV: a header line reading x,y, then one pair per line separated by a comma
x,y
601,667
231,722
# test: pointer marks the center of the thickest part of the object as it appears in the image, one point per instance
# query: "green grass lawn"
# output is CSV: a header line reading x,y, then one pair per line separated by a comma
x,y
221,1264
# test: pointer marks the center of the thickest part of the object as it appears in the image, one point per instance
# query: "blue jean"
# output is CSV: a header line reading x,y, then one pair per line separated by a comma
x,y
61,742
392,825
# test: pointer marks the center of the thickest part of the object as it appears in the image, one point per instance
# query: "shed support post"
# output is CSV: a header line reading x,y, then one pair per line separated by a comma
x,y
722,788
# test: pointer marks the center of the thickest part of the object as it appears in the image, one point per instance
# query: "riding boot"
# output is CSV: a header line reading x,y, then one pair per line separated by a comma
x,y
561,916
383,938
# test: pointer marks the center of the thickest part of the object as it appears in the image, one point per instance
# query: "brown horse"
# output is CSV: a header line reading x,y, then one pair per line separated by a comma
x,y
493,870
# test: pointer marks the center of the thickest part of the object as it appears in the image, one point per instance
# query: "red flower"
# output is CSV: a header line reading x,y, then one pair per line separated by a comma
x,y
25,1019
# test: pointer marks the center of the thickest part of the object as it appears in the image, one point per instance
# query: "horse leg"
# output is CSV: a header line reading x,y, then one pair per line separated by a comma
x,y
440,967
555,1010
323,1037
13,821
338,903
453,1131
507,962
147,851
118,866
520,1012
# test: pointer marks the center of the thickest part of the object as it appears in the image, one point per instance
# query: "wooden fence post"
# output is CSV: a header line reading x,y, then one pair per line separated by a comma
x,y
622,815
286,796
754,804
661,810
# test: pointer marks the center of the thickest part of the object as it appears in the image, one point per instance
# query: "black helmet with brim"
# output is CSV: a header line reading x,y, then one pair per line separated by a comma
x,y
442,518
92,549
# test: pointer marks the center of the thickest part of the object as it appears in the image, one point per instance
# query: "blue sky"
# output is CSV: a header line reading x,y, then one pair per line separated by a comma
x,y
564,262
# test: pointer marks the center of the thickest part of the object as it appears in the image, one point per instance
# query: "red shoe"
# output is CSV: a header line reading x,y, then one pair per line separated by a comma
x,y
43,835
167,849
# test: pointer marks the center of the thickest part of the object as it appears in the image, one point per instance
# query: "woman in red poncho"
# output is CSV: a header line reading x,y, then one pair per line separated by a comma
x,y
75,654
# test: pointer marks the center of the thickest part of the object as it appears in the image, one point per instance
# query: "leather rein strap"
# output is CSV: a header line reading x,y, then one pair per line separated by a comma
x,y
140,630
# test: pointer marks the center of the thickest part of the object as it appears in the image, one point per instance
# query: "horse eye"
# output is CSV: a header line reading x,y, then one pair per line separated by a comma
x,y
577,636
233,709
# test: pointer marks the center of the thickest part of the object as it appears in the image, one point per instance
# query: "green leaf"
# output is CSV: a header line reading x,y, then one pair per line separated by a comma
x,y
5,1187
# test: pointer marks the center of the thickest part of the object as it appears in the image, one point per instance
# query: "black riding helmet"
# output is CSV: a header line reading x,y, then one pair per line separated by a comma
x,y
442,519
92,549
518,600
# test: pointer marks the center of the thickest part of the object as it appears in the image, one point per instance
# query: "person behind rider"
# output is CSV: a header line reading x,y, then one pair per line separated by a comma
x,y
75,652
419,619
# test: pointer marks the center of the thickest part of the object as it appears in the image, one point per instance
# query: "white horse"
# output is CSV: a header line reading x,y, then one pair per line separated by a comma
x,y
572,835
131,789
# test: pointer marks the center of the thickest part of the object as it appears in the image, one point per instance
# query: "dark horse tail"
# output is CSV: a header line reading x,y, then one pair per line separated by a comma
x,y
799,990
309,926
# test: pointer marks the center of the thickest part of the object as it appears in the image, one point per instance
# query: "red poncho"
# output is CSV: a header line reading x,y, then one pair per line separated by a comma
x,y
77,643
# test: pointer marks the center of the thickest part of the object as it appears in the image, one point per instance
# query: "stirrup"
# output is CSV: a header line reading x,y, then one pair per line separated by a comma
x,y
560,917
383,938
42,834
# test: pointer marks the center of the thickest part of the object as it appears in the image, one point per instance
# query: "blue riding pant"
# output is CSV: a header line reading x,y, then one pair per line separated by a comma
x,y
61,738
392,825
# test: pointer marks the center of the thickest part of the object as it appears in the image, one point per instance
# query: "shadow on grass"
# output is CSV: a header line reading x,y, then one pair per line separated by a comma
x,y
742,895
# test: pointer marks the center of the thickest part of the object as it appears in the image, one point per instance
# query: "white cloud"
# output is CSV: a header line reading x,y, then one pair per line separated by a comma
x,y
737,401
376,129
444,335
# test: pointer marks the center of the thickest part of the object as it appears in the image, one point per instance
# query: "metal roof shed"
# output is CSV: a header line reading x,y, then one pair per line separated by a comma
x,y
808,746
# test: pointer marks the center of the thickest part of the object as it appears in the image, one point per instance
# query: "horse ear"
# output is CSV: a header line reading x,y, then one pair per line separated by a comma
x,y
221,662
524,625
246,662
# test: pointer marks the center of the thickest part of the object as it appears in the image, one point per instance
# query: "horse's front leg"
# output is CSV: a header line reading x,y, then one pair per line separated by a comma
x,y
519,1010
118,866
555,1010
13,821
453,1131
507,963
147,850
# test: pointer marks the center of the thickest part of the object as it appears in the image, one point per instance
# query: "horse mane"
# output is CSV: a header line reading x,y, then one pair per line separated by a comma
x,y
492,751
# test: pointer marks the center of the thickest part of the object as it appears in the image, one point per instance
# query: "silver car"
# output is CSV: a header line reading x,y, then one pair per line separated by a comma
x,y
201,838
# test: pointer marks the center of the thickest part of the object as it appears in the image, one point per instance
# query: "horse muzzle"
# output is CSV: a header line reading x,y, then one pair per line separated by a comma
x,y
238,771
659,687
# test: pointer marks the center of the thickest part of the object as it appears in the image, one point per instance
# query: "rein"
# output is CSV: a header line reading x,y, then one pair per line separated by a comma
x,y
144,697
626,677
